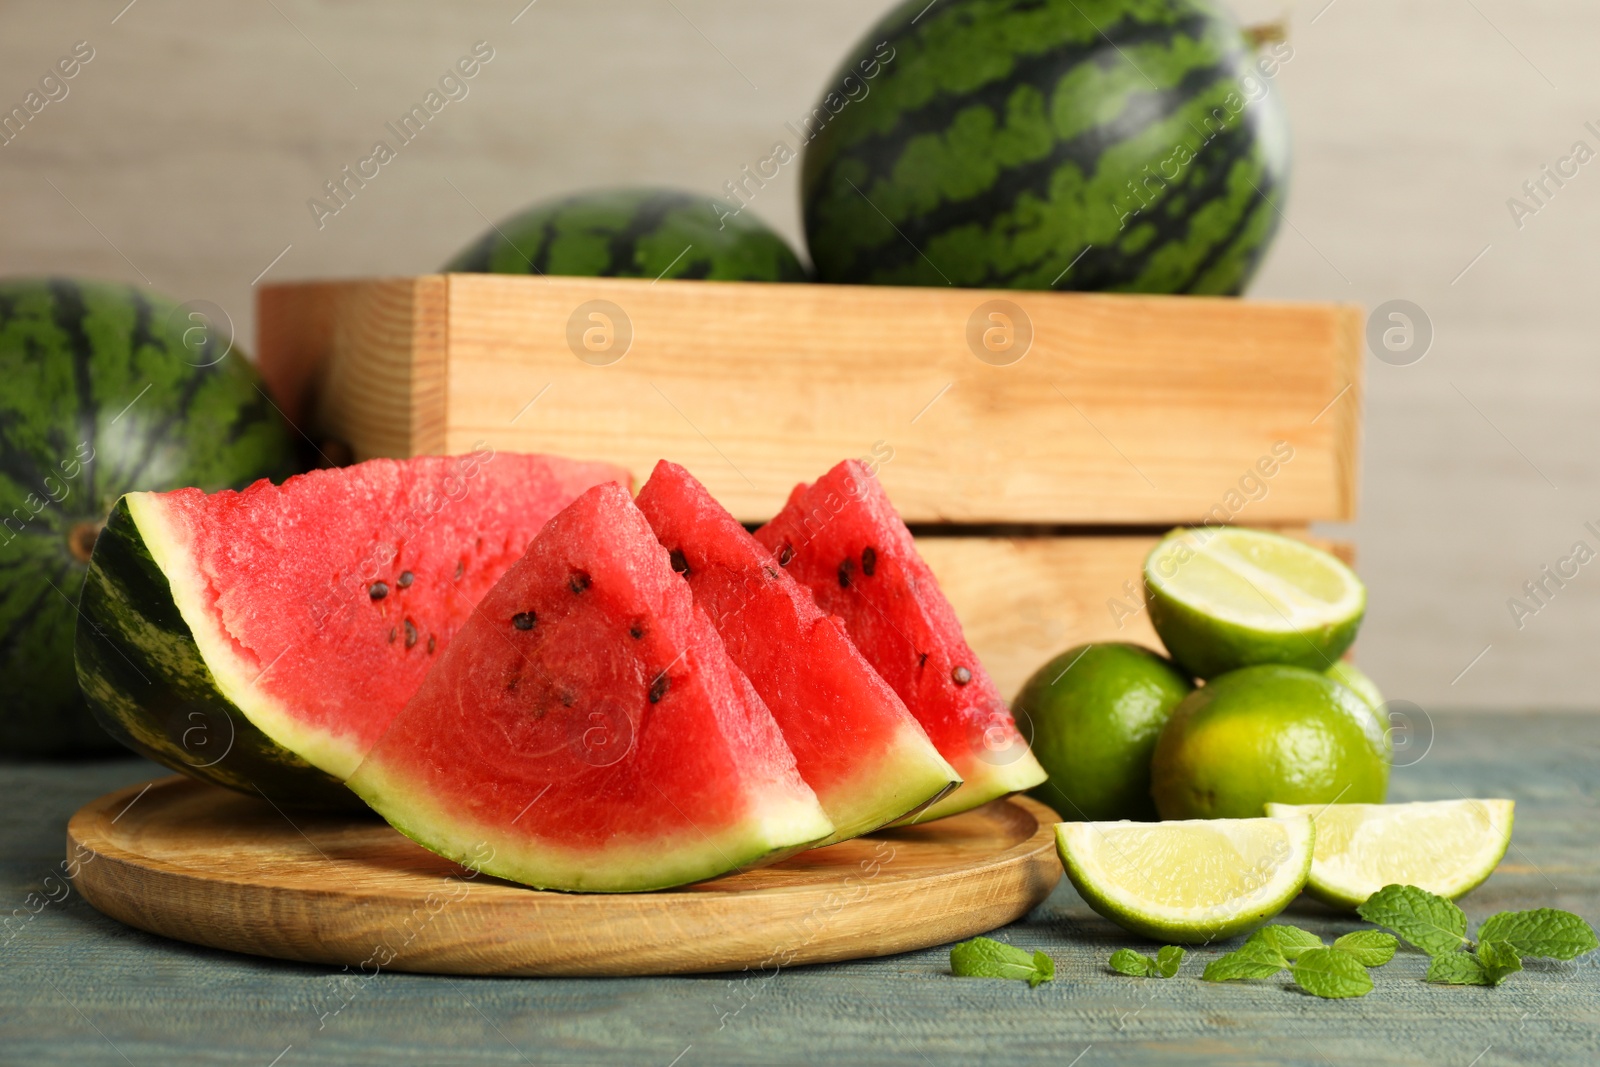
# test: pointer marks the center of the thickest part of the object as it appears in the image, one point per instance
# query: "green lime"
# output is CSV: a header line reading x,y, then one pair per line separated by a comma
x,y
1448,847
1350,676
1263,734
1193,882
1096,711
1224,597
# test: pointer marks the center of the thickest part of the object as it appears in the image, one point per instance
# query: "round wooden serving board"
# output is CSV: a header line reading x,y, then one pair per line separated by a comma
x,y
200,863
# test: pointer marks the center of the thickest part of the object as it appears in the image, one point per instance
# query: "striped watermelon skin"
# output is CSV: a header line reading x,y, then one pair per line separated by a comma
x,y
632,233
101,397
1105,145
140,668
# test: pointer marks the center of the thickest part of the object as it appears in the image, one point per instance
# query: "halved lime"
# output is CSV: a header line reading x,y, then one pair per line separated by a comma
x,y
1224,597
1447,847
1192,881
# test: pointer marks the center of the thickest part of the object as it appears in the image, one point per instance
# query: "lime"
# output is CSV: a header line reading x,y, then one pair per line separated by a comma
x,y
1223,597
1096,711
1268,733
1447,847
1350,676
1195,881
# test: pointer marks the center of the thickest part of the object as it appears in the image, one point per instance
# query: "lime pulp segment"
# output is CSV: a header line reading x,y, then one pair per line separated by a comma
x,y
1256,579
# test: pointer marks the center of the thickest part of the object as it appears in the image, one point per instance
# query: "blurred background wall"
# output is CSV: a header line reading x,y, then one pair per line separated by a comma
x,y
185,150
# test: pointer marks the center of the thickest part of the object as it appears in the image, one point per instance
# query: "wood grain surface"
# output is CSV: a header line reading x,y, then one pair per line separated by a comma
x,y
78,988
1120,409
202,864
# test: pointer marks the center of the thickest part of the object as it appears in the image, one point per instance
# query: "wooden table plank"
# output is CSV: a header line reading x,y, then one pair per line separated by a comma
x,y
78,988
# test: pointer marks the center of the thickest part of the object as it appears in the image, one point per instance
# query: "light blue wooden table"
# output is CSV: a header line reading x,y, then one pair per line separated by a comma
x,y
78,988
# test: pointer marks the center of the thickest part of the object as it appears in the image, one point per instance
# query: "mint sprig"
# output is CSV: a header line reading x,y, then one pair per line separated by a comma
x,y
984,957
1439,928
1167,960
1339,971
1331,973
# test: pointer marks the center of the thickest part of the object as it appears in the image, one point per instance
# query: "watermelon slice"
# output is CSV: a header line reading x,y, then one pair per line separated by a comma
x,y
855,743
841,538
586,730
263,639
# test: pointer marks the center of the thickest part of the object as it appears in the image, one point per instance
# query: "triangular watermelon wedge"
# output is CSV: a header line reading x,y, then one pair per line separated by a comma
x,y
263,639
586,730
841,538
855,743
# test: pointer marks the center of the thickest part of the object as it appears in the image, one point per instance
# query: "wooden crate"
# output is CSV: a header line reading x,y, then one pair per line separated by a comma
x,y
1037,454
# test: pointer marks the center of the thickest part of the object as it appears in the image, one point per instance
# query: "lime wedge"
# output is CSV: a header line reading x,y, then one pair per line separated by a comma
x,y
1447,847
1191,881
1224,597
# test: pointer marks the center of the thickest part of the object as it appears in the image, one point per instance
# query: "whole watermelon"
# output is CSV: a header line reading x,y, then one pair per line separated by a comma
x,y
107,389
1122,145
633,233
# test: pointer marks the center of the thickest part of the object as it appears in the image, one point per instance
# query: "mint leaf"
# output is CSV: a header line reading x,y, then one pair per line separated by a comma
x,y
1330,973
1370,948
1168,960
1429,922
1499,959
1290,941
1253,959
984,957
1128,962
1457,968
1540,932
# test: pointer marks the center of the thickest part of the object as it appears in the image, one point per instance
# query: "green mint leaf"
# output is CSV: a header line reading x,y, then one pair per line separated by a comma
x,y
1253,959
1330,973
1457,968
1168,960
1430,922
1499,959
984,957
1540,932
1044,969
1371,948
1128,962
1290,941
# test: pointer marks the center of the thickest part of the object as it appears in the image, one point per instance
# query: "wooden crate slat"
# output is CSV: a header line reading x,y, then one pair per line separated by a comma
x,y
1126,409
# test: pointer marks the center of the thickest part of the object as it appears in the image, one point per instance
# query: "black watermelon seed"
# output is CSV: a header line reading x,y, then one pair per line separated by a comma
x,y
771,573
636,631
411,633
512,683
845,569
391,635
406,578
961,676
578,582
869,561
378,590
679,563
524,620
461,568
785,554
568,698
658,688
922,661
432,641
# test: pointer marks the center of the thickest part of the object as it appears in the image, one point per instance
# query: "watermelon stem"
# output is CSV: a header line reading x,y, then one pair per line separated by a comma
x,y
81,539
1265,33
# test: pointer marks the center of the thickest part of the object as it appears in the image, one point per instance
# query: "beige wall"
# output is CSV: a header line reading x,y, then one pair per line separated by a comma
x,y
192,140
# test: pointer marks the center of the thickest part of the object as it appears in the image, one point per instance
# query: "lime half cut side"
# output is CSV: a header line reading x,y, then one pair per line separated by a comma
x,y
1190,881
1448,847
1224,597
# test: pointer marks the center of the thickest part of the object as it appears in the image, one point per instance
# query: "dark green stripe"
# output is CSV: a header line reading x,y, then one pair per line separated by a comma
x,y
70,312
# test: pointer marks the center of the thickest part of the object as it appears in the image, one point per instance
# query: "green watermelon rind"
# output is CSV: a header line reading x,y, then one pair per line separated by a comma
x,y
663,863
150,686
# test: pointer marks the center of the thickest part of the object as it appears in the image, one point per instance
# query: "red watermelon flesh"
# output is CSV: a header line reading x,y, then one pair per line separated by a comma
x,y
320,604
587,731
841,538
855,743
